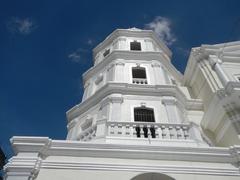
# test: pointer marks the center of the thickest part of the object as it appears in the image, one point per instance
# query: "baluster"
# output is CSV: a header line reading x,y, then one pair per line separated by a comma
x,y
149,131
185,132
115,129
174,132
127,130
141,131
171,135
119,130
134,130
179,132
167,132
158,132
111,129
131,130
163,132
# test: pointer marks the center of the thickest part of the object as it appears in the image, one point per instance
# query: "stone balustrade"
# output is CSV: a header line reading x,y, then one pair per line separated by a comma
x,y
139,81
148,130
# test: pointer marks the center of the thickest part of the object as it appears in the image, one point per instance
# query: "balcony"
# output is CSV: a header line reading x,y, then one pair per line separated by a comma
x,y
139,81
149,130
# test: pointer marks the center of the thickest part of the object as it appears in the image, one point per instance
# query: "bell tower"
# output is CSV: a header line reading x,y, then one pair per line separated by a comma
x,y
137,119
134,95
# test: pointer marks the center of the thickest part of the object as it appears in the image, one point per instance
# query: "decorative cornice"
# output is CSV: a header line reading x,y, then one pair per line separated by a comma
x,y
169,101
126,56
132,89
122,33
88,149
144,168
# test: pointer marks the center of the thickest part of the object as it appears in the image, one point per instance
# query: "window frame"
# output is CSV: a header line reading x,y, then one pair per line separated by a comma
x,y
137,44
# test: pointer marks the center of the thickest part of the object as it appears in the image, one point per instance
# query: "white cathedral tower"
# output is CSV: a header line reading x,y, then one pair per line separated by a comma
x,y
141,119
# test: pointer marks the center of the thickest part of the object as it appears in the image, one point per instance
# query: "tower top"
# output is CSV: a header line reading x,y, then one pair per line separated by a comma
x,y
132,33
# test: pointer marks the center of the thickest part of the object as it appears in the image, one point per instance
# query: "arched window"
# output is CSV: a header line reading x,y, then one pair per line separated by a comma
x,y
139,75
143,114
135,46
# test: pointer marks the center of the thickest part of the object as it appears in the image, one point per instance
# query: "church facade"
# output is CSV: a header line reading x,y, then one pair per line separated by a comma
x,y
141,119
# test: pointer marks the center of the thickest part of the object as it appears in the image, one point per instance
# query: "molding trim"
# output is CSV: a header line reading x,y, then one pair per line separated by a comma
x,y
142,168
125,55
132,89
88,149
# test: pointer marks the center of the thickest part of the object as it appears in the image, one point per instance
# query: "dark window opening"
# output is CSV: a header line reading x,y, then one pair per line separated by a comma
x,y
144,115
135,46
107,51
139,72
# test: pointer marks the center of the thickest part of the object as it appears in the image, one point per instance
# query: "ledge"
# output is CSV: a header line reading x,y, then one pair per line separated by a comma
x,y
132,55
133,89
148,152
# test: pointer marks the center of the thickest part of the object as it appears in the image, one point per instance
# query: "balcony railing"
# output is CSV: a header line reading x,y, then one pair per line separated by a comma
x,y
148,130
139,81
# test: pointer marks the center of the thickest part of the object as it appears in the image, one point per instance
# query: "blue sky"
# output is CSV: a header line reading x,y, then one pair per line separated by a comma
x,y
45,46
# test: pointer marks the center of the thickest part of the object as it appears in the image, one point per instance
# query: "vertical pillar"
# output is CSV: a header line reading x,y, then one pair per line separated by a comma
x,y
165,75
215,62
110,73
122,43
119,71
148,45
170,105
103,118
158,74
116,101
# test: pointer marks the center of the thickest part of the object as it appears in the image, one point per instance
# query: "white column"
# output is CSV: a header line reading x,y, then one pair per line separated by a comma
x,y
119,71
170,105
122,43
158,74
215,62
103,118
165,75
116,100
148,45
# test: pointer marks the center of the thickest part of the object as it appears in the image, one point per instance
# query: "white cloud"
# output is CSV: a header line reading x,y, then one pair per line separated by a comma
x,y
21,26
162,27
90,42
183,51
77,55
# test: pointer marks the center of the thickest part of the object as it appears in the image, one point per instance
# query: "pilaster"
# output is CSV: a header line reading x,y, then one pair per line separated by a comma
x,y
170,105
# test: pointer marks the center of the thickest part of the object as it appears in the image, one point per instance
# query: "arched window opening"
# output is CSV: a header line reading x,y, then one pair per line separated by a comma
x,y
139,75
143,114
152,176
135,46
